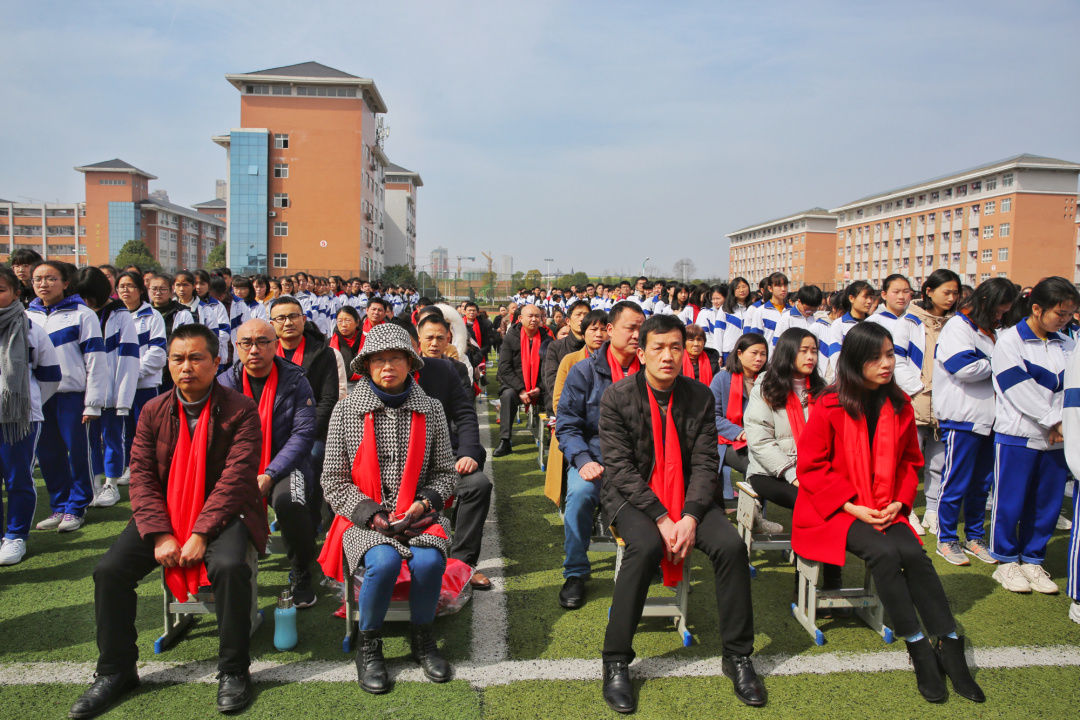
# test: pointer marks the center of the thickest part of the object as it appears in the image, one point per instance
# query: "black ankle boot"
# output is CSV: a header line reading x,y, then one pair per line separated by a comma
x,y
426,652
370,665
503,449
928,676
951,652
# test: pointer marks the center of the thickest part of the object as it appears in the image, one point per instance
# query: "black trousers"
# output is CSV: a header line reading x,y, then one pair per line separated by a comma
x,y
736,459
905,578
775,490
718,539
288,497
508,405
131,558
472,501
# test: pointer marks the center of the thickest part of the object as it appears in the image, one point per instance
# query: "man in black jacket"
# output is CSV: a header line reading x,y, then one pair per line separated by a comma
x,y
658,438
517,386
558,349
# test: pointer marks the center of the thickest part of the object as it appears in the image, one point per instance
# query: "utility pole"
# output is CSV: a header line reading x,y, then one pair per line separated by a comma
x,y
549,261
491,274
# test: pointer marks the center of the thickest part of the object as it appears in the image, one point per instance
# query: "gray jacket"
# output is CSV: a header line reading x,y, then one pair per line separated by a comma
x,y
771,445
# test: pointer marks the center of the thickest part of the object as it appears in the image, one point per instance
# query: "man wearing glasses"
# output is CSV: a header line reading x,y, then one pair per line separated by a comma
x,y
287,418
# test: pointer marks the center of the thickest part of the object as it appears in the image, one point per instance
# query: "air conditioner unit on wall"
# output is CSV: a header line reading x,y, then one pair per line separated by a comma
x,y
272,213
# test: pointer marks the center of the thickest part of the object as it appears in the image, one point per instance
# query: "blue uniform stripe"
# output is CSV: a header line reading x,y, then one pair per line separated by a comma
x,y
915,355
769,324
1011,378
94,344
900,352
1043,376
48,373
111,343
157,342
144,337
962,359
65,335
129,350
1072,397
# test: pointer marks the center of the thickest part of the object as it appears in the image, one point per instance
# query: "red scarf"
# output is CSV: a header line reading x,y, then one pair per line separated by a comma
x,y
298,354
335,342
184,499
667,475
617,373
476,332
530,359
367,476
266,412
734,410
795,414
704,367
874,477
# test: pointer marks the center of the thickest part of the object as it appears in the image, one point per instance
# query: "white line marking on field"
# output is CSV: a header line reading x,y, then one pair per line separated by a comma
x,y
482,675
490,624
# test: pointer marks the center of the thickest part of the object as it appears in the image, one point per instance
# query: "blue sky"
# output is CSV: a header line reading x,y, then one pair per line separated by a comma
x,y
594,133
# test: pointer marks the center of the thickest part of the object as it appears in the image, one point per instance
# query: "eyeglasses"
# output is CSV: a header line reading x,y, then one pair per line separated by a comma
x,y
160,290
396,359
47,280
248,343
291,317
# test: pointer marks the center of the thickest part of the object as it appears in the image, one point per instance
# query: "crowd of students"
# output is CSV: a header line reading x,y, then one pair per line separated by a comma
x,y
827,404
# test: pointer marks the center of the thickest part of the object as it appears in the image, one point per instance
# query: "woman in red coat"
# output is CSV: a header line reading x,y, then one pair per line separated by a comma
x,y
858,458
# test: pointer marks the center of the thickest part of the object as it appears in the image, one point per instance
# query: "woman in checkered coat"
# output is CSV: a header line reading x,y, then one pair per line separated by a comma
x,y
388,474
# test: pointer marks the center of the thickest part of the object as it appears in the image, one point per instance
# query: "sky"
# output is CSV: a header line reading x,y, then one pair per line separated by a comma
x,y
597,134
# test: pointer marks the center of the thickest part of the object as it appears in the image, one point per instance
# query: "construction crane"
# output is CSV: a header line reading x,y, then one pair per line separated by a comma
x,y
490,274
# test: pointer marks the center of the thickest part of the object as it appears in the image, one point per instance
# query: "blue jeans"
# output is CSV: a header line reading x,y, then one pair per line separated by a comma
x,y
578,508
382,564
16,468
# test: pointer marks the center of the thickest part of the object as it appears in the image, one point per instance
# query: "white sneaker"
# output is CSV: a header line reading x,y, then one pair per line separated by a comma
x,y
107,496
124,479
12,551
70,523
1012,578
929,521
1039,579
1064,523
52,522
1074,612
916,524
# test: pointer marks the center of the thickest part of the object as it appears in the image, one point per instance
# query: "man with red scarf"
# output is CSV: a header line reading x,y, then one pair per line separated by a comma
x,y
377,309
577,429
196,511
658,437
519,371
287,419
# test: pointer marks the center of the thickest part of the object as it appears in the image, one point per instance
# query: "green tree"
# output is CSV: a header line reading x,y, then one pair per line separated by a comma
x,y
216,257
578,278
425,285
135,252
532,279
399,275
517,280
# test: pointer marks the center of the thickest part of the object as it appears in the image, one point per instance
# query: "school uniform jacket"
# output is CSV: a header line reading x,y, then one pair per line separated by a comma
x,y
733,329
1029,381
76,335
909,342
150,329
769,319
121,356
834,341
791,318
752,319
712,322
963,385
211,313
44,369
1070,414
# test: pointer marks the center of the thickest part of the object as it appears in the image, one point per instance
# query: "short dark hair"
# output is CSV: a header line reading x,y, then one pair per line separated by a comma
x,y
810,295
285,300
855,289
196,330
891,279
932,282
745,341
661,325
591,318
92,285
623,306
25,256
470,303
350,311
574,305
432,318
379,301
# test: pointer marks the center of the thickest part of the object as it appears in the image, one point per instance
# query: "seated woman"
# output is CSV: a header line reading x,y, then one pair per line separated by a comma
x,y
699,362
347,339
857,470
731,388
388,473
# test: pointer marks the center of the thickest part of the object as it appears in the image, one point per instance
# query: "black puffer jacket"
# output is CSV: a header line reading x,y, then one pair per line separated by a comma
x,y
626,441
320,367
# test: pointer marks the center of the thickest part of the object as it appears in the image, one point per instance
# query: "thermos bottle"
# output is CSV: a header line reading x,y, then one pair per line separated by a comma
x,y
285,622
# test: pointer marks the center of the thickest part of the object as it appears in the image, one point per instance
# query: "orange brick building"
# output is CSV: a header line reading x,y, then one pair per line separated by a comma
x,y
801,246
56,231
1012,218
306,173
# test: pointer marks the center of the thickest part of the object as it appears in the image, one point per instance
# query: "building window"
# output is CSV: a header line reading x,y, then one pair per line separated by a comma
x,y
1003,254
112,181
1007,180
984,277
1006,205
323,91
281,90
1004,229
281,260
991,184
281,229
987,255
976,186
989,208
258,89
281,200
281,170
988,231
281,141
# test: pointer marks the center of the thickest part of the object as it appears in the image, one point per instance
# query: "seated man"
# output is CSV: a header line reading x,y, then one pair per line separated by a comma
x,y
196,508
560,348
658,437
577,431
287,416
522,350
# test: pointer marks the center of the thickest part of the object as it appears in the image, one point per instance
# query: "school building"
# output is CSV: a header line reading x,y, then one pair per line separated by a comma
x,y
800,246
401,187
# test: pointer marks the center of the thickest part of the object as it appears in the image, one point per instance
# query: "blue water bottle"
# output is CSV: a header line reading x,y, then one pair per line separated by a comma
x,y
285,622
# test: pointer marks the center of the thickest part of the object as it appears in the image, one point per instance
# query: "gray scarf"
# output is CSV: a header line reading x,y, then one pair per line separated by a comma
x,y
14,374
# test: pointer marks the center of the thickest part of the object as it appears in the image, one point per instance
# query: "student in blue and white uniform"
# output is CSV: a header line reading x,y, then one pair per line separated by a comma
x,y
801,313
752,321
858,303
895,298
244,291
211,315
711,319
63,450
29,375
150,330
680,306
1030,472
773,307
107,451
654,304
915,339
964,406
736,306
1070,425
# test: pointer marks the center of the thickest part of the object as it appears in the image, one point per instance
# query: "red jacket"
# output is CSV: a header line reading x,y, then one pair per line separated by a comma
x,y
819,524
232,465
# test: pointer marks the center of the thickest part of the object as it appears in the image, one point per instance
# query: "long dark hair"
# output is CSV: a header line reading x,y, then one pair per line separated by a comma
x,y
730,301
981,307
746,340
862,344
1048,293
136,280
932,282
779,377
855,289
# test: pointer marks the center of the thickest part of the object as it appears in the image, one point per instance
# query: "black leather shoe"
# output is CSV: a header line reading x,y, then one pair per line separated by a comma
x,y
748,686
105,691
618,690
953,662
503,449
572,595
927,671
234,691
426,652
370,665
